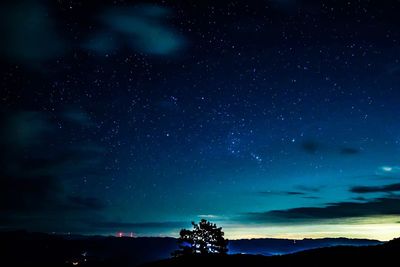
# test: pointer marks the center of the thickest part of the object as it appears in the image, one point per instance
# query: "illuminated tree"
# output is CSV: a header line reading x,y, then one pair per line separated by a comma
x,y
205,238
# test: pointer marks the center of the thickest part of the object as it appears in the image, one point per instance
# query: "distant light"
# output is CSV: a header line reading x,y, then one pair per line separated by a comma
x,y
120,234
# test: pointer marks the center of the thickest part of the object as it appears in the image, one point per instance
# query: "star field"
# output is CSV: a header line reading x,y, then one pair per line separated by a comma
x,y
141,116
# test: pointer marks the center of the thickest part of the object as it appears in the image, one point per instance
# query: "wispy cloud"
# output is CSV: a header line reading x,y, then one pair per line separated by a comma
x,y
349,151
142,28
310,146
300,190
287,193
376,189
313,146
311,189
378,206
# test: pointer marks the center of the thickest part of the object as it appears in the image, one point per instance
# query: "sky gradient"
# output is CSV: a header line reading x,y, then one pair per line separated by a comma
x,y
269,118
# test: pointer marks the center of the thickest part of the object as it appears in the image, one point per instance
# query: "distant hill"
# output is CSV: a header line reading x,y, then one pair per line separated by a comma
x,y
37,249
272,246
365,256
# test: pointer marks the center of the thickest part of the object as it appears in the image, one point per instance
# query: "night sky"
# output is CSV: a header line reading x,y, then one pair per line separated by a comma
x,y
276,118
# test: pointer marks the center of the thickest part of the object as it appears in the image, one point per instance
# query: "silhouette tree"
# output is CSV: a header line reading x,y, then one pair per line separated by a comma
x,y
205,238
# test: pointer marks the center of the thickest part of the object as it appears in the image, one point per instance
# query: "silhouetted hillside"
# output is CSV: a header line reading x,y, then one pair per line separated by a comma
x,y
38,249
379,255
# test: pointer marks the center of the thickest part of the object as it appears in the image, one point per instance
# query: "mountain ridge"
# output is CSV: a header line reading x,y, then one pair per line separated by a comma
x,y
123,251
366,256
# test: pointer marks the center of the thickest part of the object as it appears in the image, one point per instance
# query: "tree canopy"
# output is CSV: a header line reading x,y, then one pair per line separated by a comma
x,y
205,238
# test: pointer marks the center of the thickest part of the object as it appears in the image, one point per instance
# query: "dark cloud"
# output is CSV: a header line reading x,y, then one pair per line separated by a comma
x,y
349,151
36,164
68,160
374,177
312,189
87,203
111,225
28,33
313,146
360,198
34,193
376,189
41,193
339,210
301,190
288,193
21,129
310,147
380,176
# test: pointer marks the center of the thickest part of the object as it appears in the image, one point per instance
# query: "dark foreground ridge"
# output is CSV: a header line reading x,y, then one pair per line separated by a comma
x,y
24,249
379,255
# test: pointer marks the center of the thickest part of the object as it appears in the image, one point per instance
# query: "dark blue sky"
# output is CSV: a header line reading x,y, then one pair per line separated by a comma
x,y
270,118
